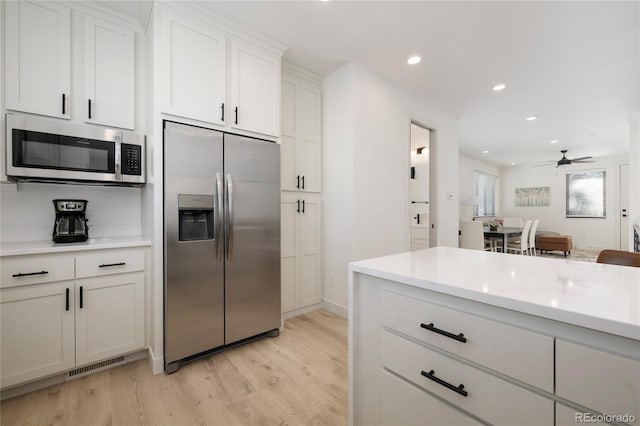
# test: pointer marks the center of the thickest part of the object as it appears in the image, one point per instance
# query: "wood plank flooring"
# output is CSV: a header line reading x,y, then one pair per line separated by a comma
x,y
298,378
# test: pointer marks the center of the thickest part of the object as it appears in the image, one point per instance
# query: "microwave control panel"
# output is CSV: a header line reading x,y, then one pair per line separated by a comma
x,y
131,159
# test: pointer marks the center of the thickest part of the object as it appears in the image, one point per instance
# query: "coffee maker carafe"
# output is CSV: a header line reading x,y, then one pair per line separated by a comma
x,y
71,223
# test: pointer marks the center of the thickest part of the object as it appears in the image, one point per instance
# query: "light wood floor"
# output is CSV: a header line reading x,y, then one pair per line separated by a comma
x,y
297,378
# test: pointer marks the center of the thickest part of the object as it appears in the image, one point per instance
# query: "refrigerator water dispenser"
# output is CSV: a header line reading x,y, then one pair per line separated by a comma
x,y
195,217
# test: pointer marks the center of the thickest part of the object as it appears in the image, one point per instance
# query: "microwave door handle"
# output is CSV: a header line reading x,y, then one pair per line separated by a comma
x,y
218,216
118,165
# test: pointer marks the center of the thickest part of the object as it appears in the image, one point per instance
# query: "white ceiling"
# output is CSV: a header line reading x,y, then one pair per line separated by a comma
x,y
573,64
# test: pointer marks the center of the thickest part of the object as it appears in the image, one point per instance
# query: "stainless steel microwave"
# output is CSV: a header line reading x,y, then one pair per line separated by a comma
x,y
43,149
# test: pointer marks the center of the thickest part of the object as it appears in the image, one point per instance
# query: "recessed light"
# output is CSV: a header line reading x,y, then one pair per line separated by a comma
x,y
413,59
532,117
553,141
513,164
485,152
499,87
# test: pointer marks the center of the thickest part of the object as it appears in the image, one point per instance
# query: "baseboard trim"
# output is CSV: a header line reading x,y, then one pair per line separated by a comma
x,y
334,308
156,362
301,311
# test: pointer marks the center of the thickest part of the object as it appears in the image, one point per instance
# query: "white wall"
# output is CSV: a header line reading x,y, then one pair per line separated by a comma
x,y
467,165
586,232
366,161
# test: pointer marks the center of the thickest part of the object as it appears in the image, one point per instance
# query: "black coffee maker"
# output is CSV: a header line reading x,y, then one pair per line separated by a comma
x,y
71,223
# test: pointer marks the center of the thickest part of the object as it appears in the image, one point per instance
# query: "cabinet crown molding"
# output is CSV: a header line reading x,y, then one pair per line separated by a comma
x,y
301,72
110,15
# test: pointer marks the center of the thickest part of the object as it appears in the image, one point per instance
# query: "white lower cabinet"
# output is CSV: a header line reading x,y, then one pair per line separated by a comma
x,y
37,339
110,316
566,416
51,327
300,238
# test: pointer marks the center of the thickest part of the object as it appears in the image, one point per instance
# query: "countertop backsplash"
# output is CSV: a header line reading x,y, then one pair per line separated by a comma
x,y
28,214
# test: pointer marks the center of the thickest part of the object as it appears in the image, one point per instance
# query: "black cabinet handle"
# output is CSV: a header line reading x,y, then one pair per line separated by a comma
x,y
459,337
29,274
89,109
302,182
236,115
106,265
81,298
222,108
298,184
64,104
67,300
431,376
302,206
298,206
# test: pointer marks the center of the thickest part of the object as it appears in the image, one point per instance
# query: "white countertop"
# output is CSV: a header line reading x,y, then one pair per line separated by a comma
x,y
41,247
596,296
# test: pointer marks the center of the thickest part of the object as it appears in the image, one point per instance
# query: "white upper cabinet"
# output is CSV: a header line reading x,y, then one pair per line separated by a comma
x,y
38,58
255,89
301,136
109,74
193,65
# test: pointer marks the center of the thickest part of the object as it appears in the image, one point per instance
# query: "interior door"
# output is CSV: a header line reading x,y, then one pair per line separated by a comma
x,y
624,207
194,268
252,269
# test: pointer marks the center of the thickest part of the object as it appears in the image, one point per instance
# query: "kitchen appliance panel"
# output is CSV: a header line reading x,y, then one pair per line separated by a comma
x,y
252,272
194,274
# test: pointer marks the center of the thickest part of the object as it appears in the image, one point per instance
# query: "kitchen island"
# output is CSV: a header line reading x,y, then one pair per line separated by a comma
x,y
455,336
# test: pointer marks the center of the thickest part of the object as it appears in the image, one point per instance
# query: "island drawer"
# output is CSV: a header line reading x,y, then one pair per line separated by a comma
x,y
600,380
519,353
107,262
406,404
566,416
35,269
490,398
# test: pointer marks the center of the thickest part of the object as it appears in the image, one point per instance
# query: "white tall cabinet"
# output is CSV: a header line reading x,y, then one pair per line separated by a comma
x,y
38,58
301,182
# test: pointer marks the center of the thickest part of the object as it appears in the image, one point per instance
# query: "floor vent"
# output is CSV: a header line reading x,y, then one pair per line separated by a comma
x,y
89,368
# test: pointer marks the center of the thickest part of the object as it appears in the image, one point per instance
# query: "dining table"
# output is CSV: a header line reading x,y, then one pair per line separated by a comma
x,y
504,233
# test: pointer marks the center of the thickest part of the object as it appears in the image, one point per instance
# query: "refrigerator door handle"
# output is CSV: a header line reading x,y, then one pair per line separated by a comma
x,y
230,218
219,216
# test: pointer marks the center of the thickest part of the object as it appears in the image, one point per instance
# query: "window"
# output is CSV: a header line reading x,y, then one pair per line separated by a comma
x,y
486,191
587,194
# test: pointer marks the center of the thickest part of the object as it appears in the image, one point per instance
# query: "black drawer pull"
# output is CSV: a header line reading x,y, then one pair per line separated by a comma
x,y
459,337
81,297
431,376
29,274
106,265
67,300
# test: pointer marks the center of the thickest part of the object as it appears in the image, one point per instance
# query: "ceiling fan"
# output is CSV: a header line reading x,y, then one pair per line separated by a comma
x,y
566,161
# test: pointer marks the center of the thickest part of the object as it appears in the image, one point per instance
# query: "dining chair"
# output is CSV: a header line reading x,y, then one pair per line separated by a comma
x,y
619,257
512,222
532,237
472,236
522,246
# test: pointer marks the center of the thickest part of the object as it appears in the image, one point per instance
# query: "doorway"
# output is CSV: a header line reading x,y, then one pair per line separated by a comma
x,y
419,207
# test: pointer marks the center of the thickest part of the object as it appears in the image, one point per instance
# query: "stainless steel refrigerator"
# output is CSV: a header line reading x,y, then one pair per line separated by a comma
x,y
221,241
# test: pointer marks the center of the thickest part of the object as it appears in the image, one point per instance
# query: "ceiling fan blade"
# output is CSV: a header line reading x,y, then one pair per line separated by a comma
x,y
583,161
581,158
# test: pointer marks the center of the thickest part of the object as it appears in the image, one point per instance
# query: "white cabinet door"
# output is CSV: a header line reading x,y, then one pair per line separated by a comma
x,y
255,89
288,137
109,74
193,70
289,254
311,291
309,149
37,324
38,58
109,316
